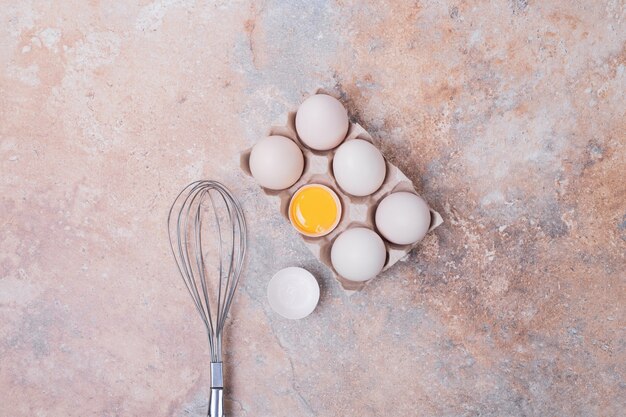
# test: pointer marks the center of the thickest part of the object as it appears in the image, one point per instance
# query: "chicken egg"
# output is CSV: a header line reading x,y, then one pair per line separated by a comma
x,y
358,254
276,162
403,218
359,167
322,122
314,210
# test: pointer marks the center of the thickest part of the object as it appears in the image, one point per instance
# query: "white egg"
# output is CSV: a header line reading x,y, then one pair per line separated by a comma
x,y
322,122
358,254
276,162
359,167
403,218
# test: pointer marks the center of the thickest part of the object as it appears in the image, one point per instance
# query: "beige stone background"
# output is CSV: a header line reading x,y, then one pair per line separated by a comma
x,y
509,116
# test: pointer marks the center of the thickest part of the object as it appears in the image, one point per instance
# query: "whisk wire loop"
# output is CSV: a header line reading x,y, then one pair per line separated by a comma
x,y
187,225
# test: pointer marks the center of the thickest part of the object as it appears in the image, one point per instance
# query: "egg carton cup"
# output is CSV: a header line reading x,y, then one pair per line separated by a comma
x,y
356,211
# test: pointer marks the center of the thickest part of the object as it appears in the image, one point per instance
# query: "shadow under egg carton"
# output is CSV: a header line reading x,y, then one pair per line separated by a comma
x,y
356,211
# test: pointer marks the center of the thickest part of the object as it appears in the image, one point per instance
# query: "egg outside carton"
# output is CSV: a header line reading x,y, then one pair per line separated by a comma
x,y
356,211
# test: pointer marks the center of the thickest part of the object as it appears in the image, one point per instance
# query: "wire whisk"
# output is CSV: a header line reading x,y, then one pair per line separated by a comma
x,y
207,212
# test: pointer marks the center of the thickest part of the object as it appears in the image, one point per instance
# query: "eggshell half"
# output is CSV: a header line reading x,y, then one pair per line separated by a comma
x,y
293,293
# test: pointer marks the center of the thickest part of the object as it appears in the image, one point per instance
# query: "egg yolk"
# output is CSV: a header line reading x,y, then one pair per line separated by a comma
x,y
314,210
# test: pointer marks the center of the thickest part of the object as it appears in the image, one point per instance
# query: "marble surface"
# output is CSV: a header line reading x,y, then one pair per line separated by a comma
x,y
509,116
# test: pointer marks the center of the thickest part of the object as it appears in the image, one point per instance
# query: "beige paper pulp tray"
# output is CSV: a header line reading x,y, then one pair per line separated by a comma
x,y
357,211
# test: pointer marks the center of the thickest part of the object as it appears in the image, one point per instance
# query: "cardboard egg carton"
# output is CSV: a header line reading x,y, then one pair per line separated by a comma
x,y
356,211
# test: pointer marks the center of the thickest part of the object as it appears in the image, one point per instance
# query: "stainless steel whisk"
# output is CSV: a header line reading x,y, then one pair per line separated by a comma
x,y
212,293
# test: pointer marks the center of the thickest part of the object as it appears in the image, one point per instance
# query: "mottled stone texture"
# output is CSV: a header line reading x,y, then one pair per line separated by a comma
x,y
509,116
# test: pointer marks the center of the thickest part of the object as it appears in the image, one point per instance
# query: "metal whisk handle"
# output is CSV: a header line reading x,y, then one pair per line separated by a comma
x,y
216,398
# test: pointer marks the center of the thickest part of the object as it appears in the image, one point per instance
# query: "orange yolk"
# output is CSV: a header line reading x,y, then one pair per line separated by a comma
x,y
314,210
